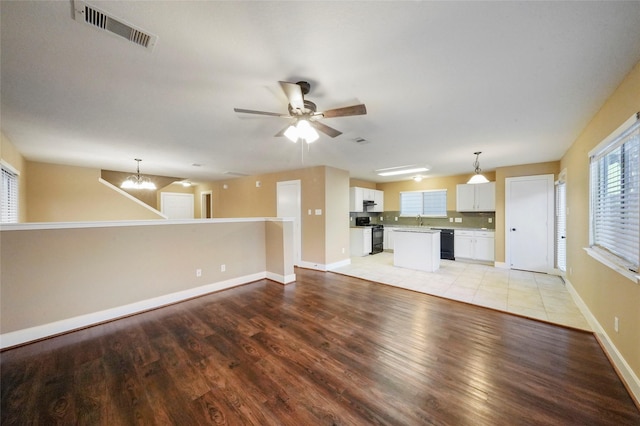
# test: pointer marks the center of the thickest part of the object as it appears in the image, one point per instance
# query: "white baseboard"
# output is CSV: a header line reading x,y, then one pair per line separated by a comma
x,y
31,334
339,264
282,279
628,376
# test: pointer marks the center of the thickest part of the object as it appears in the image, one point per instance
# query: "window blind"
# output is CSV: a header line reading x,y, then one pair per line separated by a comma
x,y
424,203
9,199
615,196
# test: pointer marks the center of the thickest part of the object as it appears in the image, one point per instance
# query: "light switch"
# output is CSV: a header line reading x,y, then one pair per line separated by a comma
x,y
309,212
458,220
318,212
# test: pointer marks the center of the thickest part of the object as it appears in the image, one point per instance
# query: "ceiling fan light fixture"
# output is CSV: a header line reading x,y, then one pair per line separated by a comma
x,y
138,181
292,133
306,132
477,177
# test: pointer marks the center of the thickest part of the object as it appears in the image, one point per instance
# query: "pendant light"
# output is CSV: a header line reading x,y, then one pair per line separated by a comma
x,y
477,178
137,181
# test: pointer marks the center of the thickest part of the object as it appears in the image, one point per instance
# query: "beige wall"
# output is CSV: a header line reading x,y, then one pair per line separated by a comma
x,y
85,270
514,171
392,189
606,293
10,155
323,236
336,215
57,193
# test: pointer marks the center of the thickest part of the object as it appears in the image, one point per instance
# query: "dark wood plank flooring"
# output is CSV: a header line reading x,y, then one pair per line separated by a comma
x,y
329,349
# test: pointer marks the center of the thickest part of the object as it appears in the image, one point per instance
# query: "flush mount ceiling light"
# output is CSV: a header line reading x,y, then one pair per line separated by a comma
x,y
417,178
477,178
394,171
137,181
302,130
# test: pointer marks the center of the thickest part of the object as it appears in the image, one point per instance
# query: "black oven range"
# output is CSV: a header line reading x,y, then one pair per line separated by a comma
x,y
377,234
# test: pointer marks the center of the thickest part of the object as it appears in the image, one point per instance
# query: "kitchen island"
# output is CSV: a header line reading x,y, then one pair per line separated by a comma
x,y
417,248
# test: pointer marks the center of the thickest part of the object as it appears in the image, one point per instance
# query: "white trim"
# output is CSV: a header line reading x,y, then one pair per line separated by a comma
x,y
623,368
132,198
70,324
311,265
108,224
9,167
612,262
613,136
338,264
282,279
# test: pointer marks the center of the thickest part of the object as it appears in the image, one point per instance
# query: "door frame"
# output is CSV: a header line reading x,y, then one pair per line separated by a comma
x,y
549,178
203,206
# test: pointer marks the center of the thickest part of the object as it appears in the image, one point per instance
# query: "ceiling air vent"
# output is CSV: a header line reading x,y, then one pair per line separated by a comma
x,y
96,18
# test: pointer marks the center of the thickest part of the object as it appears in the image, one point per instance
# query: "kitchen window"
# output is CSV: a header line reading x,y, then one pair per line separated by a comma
x,y
9,200
615,199
431,203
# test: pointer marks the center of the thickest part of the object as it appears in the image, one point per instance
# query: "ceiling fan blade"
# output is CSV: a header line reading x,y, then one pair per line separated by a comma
x,y
294,94
281,132
251,111
345,111
330,131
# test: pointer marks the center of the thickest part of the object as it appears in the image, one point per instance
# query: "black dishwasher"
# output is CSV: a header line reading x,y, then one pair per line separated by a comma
x,y
446,244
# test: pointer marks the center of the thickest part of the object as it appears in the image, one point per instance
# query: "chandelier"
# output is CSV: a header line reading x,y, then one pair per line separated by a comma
x,y
137,181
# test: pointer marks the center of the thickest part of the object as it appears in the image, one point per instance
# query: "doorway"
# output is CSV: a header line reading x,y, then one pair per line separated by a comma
x,y
206,205
288,194
529,221
561,224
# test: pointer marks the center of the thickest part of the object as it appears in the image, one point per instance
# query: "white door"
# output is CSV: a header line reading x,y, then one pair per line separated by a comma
x,y
177,205
529,215
561,226
290,205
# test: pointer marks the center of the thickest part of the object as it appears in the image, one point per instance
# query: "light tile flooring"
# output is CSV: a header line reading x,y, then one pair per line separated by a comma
x,y
529,294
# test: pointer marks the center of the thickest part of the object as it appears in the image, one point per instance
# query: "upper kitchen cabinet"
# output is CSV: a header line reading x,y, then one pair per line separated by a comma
x,y
479,197
357,197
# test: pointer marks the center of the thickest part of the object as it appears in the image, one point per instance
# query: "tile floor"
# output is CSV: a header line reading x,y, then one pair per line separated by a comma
x,y
529,294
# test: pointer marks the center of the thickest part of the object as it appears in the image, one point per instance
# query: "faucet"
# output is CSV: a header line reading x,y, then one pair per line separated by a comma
x,y
419,220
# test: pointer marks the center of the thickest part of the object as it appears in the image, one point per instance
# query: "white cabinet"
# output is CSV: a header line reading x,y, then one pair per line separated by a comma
x,y
358,195
355,199
360,241
388,238
475,245
378,198
479,197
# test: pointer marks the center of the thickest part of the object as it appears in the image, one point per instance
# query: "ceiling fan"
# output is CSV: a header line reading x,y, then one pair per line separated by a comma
x,y
305,114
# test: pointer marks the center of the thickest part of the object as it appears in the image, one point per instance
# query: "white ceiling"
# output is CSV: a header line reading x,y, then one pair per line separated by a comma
x,y
516,80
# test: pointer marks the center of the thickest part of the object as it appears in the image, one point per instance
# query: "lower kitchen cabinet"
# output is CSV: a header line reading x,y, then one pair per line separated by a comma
x,y
388,238
474,245
360,241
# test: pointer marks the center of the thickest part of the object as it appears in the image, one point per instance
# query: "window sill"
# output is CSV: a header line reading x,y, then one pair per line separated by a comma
x,y
612,262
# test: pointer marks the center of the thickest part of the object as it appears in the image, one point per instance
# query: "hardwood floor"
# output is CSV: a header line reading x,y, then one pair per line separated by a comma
x,y
329,349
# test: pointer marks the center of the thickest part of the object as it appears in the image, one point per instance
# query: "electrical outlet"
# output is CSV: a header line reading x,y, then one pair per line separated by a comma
x,y
396,218
381,219
342,250
490,220
616,324
450,219
198,272
223,268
